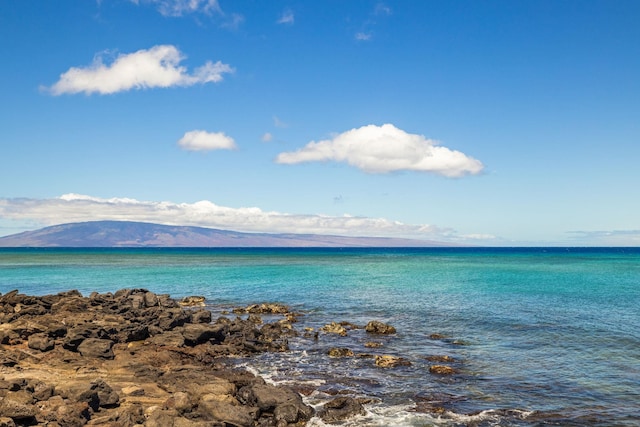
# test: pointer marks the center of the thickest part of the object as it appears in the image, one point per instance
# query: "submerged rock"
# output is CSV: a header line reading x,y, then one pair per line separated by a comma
x,y
388,361
334,328
441,370
340,352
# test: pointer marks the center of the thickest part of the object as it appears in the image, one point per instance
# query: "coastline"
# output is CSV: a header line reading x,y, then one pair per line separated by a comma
x,y
136,358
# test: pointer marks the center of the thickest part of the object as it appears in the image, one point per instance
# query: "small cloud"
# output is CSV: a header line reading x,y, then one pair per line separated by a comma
x,y
279,123
383,149
155,67
199,140
382,9
287,17
176,8
363,36
233,21
267,137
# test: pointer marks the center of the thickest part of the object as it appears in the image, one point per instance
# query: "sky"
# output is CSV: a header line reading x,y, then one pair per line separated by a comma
x,y
498,123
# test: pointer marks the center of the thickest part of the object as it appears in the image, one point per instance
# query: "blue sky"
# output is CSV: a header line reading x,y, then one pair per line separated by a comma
x,y
489,123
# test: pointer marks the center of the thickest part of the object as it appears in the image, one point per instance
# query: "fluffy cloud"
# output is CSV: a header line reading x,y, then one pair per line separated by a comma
x,y
181,7
199,140
78,208
155,67
383,149
267,137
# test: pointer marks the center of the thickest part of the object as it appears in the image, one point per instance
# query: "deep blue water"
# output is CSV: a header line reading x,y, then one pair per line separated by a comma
x,y
541,336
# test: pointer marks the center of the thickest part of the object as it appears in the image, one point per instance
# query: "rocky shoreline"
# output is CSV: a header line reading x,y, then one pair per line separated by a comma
x,y
137,358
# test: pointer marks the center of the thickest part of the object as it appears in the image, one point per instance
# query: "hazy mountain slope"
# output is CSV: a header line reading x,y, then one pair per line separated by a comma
x,y
139,234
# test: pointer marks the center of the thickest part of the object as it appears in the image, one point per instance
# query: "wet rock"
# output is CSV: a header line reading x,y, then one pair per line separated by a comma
x,y
372,344
443,358
192,301
441,370
388,361
376,327
437,336
269,398
341,408
334,328
340,352
98,348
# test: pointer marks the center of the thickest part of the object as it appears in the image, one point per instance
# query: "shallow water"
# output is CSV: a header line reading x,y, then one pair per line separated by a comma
x,y
539,336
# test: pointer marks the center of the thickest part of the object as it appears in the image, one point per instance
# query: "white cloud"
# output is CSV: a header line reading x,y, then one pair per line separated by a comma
x,y
363,36
155,67
287,17
383,149
79,208
267,137
279,123
200,140
181,7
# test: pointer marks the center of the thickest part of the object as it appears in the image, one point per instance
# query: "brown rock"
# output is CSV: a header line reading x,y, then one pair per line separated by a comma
x,y
340,352
376,327
387,361
340,408
441,370
241,416
334,328
98,348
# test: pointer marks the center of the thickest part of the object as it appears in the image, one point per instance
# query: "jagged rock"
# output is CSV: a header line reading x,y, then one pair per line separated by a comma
x,y
268,398
241,416
372,344
376,327
95,347
341,408
441,370
335,328
192,301
444,358
41,342
387,361
16,410
340,352
201,316
39,390
106,395
7,422
199,333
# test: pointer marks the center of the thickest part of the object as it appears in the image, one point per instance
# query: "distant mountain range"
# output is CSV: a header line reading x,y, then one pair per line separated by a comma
x,y
141,234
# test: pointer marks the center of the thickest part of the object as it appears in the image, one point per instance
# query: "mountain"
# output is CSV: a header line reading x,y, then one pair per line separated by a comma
x,y
142,234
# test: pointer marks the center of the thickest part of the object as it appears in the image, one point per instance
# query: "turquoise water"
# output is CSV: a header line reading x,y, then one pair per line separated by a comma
x,y
540,336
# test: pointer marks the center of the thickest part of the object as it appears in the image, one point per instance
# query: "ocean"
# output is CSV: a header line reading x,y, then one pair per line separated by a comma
x,y
535,336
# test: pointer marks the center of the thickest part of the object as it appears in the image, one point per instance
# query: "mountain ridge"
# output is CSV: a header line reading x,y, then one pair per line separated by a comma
x,y
145,234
